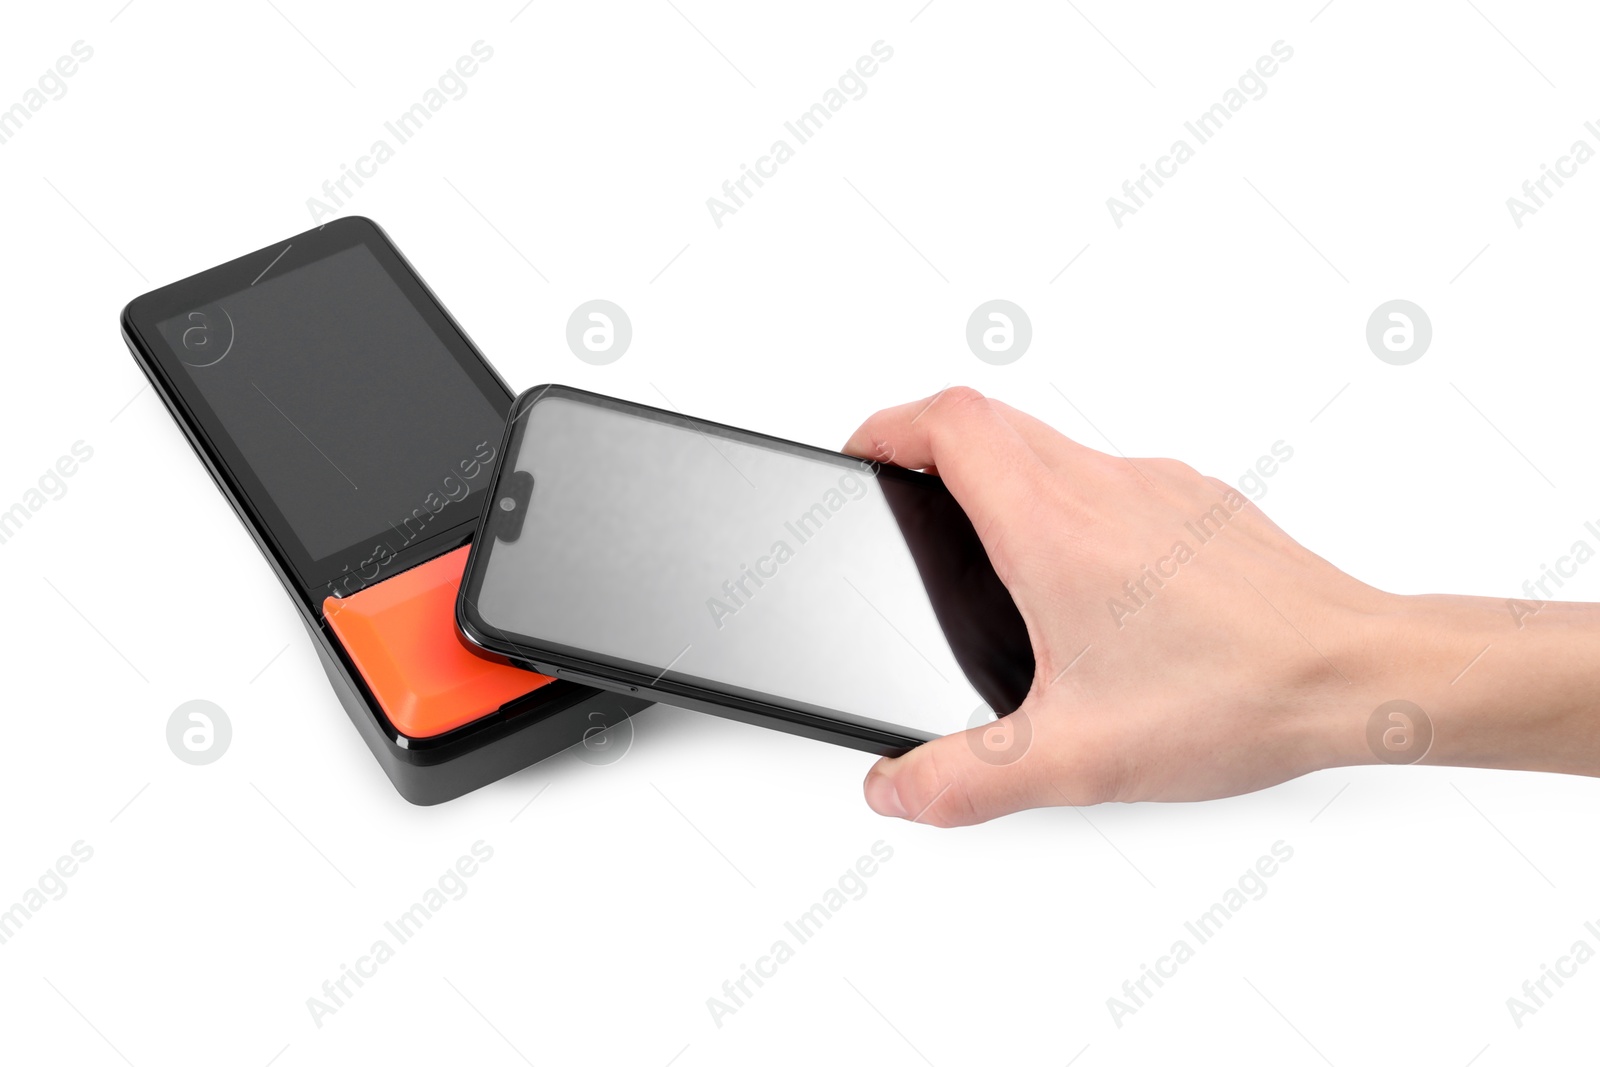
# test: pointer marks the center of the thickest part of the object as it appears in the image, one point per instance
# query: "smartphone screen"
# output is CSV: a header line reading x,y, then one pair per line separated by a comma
x,y
357,418
338,394
744,568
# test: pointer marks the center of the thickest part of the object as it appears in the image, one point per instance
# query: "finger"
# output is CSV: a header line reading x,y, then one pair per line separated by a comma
x,y
986,464
965,778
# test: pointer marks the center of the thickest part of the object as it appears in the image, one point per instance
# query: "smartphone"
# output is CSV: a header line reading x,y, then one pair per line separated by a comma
x,y
714,568
353,427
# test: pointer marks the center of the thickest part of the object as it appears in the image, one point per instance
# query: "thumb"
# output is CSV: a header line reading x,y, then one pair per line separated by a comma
x,y
965,778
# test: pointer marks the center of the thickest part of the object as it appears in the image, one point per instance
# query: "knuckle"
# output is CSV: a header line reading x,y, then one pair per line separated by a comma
x,y
960,395
957,404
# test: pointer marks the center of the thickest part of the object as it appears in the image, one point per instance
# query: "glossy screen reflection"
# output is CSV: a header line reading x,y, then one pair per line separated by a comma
x,y
793,577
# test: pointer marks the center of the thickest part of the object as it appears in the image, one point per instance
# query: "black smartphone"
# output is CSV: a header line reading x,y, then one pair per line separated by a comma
x,y
701,565
353,425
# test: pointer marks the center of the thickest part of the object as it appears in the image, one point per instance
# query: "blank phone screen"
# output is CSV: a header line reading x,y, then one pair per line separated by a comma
x,y
794,577
351,410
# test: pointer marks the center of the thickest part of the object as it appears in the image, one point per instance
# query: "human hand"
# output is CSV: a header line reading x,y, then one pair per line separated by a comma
x,y
1186,647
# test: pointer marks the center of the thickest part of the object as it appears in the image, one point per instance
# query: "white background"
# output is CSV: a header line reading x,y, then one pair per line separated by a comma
x,y
1223,317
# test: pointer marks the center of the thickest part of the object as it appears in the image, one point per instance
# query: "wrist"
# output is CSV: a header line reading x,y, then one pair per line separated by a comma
x,y
1486,683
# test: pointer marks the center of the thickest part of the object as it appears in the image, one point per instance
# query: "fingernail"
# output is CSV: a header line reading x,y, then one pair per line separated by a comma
x,y
883,797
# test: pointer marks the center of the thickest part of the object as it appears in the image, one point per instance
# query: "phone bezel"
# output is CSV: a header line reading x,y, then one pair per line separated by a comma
x,y
568,661
405,755
356,566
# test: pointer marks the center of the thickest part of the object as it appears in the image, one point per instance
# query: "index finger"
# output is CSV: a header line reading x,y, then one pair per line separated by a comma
x,y
987,465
